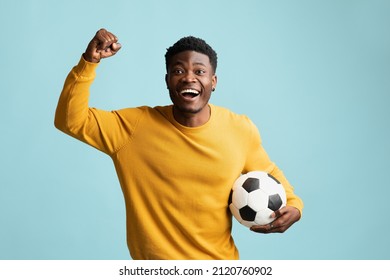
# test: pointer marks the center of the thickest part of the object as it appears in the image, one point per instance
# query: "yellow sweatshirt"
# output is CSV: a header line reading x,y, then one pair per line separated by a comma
x,y
176,180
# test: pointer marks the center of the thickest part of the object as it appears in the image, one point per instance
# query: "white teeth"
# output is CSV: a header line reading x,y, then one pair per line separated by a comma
x,y
189,90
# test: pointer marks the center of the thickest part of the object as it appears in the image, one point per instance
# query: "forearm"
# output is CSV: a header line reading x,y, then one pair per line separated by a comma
x,y
258,159
72,109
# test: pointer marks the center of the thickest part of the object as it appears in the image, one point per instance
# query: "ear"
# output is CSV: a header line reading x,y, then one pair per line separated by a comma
x,y
214,81
166,80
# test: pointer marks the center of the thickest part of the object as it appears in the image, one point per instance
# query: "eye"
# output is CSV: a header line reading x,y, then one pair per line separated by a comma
x,y
200,72
177,71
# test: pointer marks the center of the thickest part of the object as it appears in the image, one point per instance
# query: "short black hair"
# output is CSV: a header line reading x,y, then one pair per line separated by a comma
x,y
191,43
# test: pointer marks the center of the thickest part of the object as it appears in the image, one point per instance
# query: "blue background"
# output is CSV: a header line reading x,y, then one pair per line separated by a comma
x,y
313,75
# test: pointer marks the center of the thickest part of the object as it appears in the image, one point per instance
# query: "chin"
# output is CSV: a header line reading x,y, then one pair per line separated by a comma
x,y
188,110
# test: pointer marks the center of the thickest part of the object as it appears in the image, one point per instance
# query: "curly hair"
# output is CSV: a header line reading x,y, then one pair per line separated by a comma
x,y
191,43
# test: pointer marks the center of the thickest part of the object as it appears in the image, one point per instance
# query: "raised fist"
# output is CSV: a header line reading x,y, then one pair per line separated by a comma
x,y
104,44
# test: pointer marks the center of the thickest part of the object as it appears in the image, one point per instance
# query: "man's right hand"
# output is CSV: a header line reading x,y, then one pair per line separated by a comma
x,y
103,45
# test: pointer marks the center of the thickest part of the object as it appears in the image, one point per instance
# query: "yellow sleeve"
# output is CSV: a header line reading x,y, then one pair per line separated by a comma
x,y
258,159
106,131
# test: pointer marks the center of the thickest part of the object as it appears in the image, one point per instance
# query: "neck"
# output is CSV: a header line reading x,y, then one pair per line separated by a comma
x,y
192,119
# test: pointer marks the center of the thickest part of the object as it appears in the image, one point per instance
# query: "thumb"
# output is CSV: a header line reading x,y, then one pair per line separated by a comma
x,y
276,214
116,47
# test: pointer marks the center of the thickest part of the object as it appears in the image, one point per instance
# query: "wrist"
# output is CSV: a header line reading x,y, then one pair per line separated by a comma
x,y
90,59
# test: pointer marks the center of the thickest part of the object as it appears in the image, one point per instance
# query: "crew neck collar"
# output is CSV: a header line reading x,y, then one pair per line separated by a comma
x,y
195,128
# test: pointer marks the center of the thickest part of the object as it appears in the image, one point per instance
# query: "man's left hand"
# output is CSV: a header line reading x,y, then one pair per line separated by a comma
x,y
284,218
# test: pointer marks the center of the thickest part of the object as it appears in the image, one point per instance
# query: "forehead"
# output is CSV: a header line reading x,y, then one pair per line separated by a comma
x,y
190,58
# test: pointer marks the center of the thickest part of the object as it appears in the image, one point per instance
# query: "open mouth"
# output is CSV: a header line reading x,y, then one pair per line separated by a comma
x,y
189,93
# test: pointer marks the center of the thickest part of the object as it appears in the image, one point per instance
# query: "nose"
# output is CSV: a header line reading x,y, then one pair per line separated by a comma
x,y
188,77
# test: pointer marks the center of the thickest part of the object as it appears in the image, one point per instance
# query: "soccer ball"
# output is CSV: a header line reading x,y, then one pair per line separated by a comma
x,y
254,197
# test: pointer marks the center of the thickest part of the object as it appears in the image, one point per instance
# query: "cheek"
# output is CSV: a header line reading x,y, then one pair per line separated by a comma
x,y
207,83
170,82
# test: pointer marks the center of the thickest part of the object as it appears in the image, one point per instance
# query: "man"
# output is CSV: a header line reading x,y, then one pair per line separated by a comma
x,y
176,164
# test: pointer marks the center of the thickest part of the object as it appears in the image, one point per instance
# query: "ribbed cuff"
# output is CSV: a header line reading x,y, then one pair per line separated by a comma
x,y
85,68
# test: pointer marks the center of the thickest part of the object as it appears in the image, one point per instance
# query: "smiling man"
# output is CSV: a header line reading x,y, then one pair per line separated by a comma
x,y
190,79
176,163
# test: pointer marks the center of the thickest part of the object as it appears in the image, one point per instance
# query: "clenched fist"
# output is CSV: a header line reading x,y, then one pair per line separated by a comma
x,y
103,45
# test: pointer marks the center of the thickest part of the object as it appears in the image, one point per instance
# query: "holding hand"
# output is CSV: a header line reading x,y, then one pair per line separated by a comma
x,y
285,218
103,45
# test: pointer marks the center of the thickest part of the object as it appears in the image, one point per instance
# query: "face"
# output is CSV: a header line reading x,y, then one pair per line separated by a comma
x,y
190,80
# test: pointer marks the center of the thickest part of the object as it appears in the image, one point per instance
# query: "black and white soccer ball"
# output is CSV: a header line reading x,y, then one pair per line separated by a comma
x,y
254,197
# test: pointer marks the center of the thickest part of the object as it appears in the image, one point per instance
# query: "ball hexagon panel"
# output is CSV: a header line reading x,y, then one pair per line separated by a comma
x,y
263,217
240,197
258,200
268,185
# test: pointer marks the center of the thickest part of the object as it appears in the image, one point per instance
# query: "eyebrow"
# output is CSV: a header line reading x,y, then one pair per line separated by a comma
x,y
195,63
